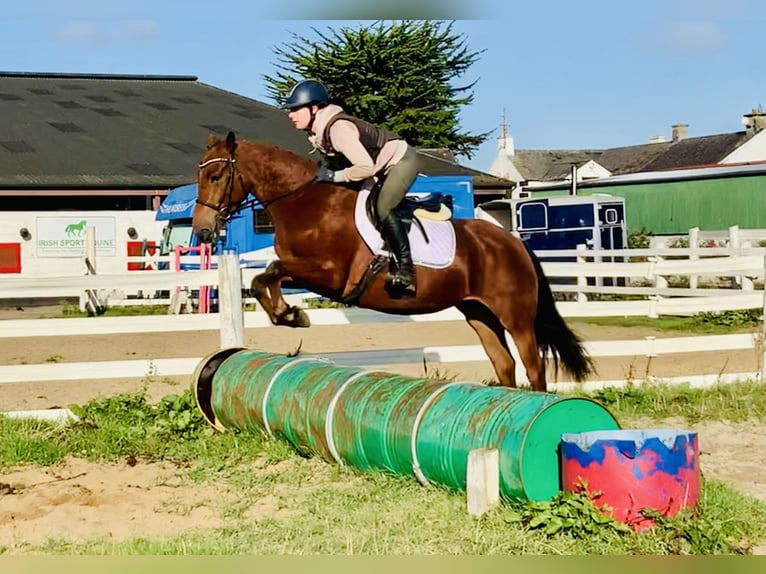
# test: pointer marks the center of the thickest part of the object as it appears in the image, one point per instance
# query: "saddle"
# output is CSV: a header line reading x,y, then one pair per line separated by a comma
x,y
413,208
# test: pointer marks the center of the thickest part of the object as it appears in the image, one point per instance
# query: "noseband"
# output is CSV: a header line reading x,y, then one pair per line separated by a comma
x,y
222,208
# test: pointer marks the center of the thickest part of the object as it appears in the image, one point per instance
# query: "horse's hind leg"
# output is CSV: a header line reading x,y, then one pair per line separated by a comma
x,y
492,336
526,344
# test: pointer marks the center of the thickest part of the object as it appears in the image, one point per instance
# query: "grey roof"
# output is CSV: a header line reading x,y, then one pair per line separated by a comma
x,y
551,165
555,165
705,150
630,159
132,131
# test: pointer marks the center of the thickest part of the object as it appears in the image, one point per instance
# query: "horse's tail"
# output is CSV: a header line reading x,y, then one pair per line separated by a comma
x,y
554,337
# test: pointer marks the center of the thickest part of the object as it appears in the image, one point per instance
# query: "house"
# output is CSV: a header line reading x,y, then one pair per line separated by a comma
x,y
531,169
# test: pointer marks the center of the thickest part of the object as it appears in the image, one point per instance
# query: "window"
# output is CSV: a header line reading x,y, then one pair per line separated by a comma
x,y
262,222
611,216
533,215
10,257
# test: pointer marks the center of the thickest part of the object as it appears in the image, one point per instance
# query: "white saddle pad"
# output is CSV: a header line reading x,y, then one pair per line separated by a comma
x,y
436,249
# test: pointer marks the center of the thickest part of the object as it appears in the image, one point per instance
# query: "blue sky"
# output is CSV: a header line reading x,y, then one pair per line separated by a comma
x,y
567,75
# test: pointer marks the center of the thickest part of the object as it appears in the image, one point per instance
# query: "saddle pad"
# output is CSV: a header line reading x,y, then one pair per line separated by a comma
x,y
437,252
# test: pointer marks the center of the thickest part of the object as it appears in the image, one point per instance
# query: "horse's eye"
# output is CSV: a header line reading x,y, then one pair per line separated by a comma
x,y
215,178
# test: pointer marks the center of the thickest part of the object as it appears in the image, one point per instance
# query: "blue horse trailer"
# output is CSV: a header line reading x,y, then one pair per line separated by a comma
x,y
563,222
249,231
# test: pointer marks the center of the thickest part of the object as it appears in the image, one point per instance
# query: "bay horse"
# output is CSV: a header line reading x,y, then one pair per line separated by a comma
x,y
494,279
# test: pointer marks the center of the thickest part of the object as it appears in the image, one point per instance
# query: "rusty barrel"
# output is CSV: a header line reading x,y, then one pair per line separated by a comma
x,y
371,419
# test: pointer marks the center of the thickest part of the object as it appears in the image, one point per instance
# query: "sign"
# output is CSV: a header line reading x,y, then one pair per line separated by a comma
x,y
65,236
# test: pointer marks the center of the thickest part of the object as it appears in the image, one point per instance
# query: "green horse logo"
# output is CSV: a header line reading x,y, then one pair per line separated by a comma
x,y
77,228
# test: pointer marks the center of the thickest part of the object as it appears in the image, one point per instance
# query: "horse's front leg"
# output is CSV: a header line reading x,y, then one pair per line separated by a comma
x,y
267,290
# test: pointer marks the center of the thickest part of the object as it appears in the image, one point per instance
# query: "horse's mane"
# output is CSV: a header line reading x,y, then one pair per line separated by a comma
x,y
275,168
279,154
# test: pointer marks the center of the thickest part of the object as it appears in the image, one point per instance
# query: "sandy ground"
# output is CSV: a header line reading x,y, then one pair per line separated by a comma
x,y
79,500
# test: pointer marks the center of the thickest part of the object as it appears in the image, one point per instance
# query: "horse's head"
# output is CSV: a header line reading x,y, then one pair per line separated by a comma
x,y
219,193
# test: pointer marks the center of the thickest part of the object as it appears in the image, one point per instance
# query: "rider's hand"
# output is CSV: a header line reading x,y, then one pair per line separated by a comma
x,y
324,174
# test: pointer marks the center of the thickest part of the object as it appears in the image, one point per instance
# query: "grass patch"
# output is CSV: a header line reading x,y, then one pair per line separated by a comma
x,y
316,507
701,323
738,401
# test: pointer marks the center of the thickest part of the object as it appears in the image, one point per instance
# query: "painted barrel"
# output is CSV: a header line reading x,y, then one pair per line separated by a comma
x,y
380,420
628,471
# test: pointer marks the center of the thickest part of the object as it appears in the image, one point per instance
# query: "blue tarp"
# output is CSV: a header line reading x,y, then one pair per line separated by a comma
x,y
179,203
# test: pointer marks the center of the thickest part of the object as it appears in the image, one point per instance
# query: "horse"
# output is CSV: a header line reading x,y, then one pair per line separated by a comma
x,y
494,279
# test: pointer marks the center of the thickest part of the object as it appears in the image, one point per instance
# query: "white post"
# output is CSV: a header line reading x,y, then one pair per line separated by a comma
x,y
483,480
694,243
230,311
747,282
582,252
735,247
659,281
92,303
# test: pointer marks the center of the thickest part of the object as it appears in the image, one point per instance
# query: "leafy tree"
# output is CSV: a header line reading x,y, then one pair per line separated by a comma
x,y
395,75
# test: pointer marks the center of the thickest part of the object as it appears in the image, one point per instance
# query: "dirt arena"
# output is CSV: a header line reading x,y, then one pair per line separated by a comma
x,y
80,500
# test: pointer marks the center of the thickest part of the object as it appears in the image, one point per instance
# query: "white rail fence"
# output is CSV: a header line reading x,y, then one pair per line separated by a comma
x,y
726,280
231,320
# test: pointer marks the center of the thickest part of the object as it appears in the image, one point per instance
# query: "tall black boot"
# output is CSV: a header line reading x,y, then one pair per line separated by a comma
x,y
401,280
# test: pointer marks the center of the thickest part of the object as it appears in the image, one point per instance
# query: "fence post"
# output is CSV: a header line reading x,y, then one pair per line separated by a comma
x,y
735,249
582,252
694,243
92,304
659,281
230,301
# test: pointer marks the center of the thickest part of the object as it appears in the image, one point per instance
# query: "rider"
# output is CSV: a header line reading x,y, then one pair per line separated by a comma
x,y
364,151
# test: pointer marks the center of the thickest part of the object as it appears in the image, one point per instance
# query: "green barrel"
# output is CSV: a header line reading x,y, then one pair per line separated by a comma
x,y
386,421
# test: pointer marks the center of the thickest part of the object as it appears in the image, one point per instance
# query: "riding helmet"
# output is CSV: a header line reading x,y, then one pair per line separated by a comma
x,y
304,93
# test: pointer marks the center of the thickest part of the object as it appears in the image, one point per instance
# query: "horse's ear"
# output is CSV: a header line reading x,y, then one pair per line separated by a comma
x,y
211,140
231,142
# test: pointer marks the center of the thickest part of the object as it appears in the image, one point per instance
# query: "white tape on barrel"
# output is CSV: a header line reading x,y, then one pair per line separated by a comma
x,y
418,419
274,379
331,411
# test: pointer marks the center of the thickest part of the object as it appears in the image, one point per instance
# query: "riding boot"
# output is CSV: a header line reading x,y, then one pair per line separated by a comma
x,y
400,280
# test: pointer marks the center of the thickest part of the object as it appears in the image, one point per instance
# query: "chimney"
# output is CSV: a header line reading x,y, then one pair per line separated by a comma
x,y
755,121
505,141
679,132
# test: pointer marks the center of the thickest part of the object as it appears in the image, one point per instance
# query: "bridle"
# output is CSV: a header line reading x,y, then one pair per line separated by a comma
x,y
222,208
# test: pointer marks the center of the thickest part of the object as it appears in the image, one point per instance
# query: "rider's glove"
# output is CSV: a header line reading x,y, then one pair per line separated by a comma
x,y
324,174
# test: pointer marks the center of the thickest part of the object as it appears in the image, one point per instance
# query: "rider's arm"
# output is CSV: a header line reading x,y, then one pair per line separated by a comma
x,y
345,140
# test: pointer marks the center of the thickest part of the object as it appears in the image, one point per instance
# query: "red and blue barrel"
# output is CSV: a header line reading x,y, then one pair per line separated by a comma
x,y
628,471
371,419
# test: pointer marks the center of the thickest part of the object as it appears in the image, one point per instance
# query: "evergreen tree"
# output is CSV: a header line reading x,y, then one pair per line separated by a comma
x,y
395,75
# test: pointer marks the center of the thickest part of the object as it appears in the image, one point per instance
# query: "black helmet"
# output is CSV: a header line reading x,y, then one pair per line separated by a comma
x,y
304,93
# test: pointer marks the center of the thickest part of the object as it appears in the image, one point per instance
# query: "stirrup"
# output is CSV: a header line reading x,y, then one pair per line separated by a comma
x,y
401,285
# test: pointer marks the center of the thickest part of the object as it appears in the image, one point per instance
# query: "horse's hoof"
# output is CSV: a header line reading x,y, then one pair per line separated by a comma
x,y
297,317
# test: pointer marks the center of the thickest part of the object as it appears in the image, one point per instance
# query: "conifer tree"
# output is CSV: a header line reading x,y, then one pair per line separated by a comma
x,y
396,75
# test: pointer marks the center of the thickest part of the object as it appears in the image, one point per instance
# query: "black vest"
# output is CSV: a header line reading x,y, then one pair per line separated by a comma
x,y
372,137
